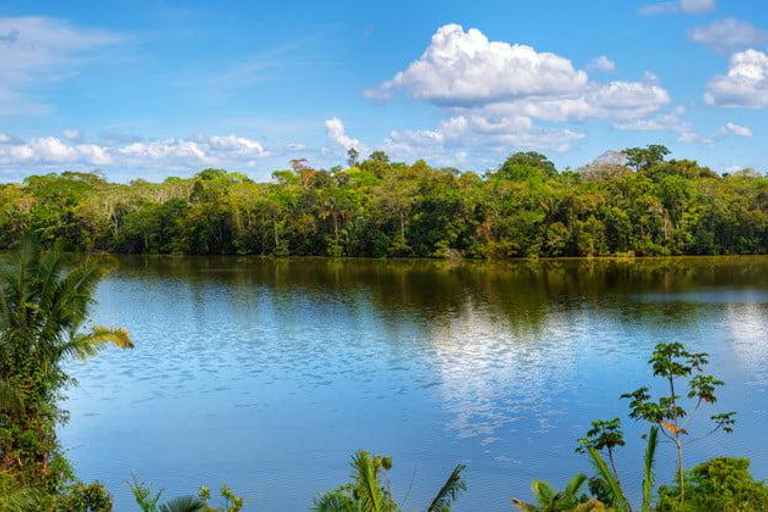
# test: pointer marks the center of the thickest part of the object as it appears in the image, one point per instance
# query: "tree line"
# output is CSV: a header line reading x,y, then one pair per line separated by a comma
x,y
634,202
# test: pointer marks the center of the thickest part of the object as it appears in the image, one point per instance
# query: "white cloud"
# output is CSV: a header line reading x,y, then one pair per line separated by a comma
x,y
4,139
51,150
464,67
461,135
735,129
167,154
603,64
673,122
337,136
684,6
745,84
35,50
165,149
295,146
237,145
465,73
728,34
72,134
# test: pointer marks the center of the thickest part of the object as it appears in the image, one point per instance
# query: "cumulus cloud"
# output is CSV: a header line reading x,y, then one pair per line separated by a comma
x,y
339,141
52,152
744,85
464,67
684,6
728,34
603,64
464,72
735,129
36,50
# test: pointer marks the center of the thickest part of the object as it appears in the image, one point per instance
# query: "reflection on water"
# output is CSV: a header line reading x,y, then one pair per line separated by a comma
x,y
268,374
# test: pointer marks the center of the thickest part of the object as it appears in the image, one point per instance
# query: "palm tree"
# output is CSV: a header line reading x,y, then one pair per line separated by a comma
x,y
45,299
366,493
549,500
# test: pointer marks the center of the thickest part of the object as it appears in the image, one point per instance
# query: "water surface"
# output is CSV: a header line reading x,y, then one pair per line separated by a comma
x,y
268,374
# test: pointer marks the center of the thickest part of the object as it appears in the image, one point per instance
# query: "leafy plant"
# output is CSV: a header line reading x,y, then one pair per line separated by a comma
x,y
45,299
550,500
718,484
368,491
672,362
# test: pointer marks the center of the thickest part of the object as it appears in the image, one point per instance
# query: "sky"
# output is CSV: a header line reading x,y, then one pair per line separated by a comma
x,y
158,88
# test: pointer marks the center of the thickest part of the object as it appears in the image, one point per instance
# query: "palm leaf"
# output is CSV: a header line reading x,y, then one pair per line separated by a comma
x,y
618,499
367,482
523,506
86,345
452,488
648,463
544,493
337,500
574,485
183,504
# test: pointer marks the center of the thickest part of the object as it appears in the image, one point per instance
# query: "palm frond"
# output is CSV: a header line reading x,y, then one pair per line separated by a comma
x,y
618,499
183,504
451,490
83,346
118,336
648,463
523,506
574,485
21,500
367,482
337,500
543,492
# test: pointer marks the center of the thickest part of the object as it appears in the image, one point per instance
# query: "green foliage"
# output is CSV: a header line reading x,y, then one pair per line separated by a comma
x,y
718,484
640,203
550,500
604,434
84,498
368,489
45,297
148,500
672,362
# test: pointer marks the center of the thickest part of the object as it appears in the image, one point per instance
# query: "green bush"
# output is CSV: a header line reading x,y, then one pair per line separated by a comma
x,y
85,498
719,484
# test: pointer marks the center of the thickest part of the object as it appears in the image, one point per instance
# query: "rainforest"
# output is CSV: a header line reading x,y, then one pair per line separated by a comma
x,y
635,202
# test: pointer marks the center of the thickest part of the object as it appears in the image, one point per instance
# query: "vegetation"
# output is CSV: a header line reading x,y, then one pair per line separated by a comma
x,y
366,492
45,298
149,500
633,202
719,484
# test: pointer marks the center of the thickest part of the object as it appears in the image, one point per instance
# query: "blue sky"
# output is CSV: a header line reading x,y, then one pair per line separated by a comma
x,y
150,89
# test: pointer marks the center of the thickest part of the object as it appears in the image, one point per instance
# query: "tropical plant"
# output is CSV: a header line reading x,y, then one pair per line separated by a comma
x,y
367,492
718,484
45,300
148,500
672,362
548,499
604,435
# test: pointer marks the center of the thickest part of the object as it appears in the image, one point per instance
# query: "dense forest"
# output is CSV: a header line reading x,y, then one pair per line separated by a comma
x,y
634,202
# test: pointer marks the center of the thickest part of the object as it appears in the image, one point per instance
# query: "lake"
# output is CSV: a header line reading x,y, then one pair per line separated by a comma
x,y
269,374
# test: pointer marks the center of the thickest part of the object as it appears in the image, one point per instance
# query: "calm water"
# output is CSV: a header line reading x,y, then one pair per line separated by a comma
x,y
268,375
